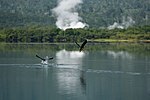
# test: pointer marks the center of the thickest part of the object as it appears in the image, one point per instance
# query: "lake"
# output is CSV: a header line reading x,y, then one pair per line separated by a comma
x,y
103,71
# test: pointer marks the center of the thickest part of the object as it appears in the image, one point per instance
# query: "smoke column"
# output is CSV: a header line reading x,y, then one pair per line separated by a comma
x,y
67,16
125,23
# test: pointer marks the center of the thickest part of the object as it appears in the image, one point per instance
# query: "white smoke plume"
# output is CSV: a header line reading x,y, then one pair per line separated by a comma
x,y
125,23
67,16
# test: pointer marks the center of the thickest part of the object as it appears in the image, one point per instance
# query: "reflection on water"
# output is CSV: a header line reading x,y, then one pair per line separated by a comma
x,y
119,54
107,72
70,81
69,57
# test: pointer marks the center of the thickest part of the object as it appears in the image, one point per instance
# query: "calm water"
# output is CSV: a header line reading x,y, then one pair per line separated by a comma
x,y
101,72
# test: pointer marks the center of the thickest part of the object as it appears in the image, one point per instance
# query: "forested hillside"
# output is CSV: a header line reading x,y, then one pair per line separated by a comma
x,y
96,13
106,12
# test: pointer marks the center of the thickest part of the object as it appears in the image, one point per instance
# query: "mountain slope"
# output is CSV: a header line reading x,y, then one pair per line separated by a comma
x,y
96,13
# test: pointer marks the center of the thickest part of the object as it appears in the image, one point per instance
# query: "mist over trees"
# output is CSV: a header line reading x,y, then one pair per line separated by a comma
x,y
33,21
96,13
102,13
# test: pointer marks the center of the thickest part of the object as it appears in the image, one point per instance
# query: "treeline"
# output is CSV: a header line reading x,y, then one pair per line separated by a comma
x,y
50,34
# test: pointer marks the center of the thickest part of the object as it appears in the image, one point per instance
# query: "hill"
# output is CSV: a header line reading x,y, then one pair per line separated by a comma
x,y
96,13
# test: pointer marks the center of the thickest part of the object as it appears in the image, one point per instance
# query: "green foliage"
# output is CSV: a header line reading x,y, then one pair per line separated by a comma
x,y
51,34
96,13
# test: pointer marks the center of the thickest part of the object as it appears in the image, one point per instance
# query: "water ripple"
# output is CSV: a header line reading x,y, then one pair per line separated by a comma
x,y
116,72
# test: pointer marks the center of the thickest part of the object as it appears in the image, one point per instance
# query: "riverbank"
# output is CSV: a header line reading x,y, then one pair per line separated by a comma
x,y
118,41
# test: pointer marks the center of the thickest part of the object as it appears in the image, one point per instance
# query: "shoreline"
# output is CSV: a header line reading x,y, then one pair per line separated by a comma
x,y
89,40
118,41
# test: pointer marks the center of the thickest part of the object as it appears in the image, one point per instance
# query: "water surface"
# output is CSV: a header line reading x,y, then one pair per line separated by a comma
x,y
100,72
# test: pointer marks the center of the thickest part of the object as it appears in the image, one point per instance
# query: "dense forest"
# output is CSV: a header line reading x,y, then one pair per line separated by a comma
x,y
51,34
96,13
33,21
